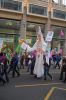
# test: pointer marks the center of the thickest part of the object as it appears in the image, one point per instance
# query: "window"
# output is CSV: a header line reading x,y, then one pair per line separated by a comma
x,y
38,10
12,5
9,24
59,14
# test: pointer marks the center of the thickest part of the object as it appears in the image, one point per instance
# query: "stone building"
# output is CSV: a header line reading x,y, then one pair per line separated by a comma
x,y
20,17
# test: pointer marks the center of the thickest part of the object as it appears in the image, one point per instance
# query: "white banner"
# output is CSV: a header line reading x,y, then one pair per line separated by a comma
x,y
49,36
44,46
25,46
28,41
1,43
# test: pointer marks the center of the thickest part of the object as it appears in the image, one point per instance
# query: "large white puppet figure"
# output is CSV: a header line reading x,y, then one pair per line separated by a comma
x,y
40,47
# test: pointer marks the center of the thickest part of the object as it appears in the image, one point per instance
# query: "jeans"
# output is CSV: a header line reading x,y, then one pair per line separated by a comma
x,y
46,72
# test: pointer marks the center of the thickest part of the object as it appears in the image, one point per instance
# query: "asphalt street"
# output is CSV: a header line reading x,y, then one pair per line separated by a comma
x,y
26,87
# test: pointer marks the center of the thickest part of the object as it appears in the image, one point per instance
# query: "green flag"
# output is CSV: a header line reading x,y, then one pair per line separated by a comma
x,y
17,48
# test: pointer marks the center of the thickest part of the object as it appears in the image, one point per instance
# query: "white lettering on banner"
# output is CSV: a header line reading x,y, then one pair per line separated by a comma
x,y
49,36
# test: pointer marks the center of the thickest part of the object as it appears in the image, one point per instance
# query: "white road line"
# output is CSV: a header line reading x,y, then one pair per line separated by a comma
x,y
29,73
34,85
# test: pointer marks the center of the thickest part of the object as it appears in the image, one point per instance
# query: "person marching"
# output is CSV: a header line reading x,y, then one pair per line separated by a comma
x,y
5,62
2,68
63,69
14,65
47,66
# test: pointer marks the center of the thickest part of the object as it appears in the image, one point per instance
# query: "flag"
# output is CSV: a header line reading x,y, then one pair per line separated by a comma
x,y
61,33
17,49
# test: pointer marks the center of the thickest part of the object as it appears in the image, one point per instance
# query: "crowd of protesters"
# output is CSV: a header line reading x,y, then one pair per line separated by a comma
x,y
56,60
6,66
28,60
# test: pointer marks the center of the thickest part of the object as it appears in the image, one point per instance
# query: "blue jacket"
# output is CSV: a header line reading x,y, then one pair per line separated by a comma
x,y
14,60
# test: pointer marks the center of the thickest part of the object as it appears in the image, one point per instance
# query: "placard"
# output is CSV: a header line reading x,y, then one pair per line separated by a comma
x,y
24,46
49,36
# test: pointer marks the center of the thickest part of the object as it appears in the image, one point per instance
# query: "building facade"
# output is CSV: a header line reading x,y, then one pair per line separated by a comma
x,y
20,17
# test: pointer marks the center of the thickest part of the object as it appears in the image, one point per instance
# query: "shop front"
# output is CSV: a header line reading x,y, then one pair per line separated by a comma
x,y
58,38
9,33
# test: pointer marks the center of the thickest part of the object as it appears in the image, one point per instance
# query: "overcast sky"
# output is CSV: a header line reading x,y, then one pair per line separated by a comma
x,y
63,1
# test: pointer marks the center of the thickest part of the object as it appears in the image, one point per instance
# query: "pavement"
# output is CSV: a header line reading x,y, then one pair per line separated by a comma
x,y
26,87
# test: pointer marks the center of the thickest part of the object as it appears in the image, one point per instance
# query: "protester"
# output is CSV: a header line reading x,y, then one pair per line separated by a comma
x,y
5,64
2,68
46,68
14,65
63,70
33,62
22,57
29,62
58,59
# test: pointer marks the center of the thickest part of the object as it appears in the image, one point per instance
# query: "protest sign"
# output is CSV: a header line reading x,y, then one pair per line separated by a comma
x,y
49,36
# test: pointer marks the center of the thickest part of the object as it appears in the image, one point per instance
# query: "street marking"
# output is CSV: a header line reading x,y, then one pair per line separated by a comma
x,y
60,88
49,93
29,73
33,85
